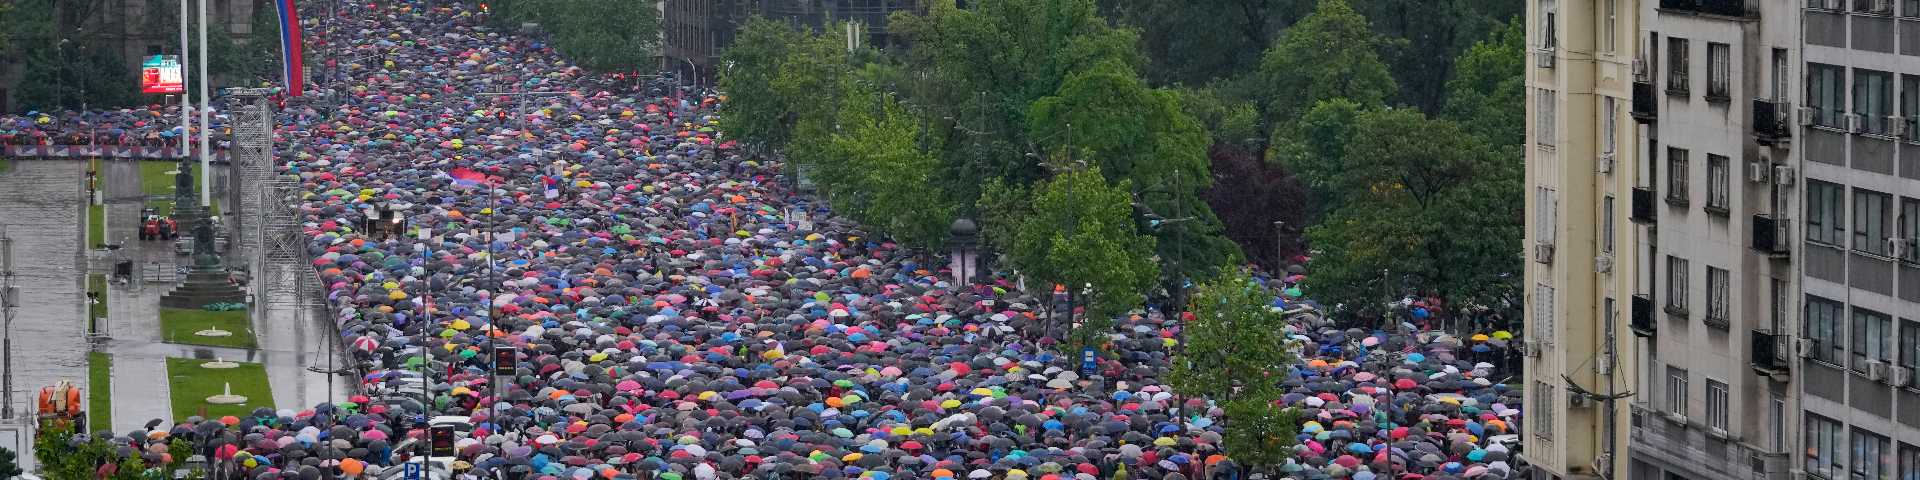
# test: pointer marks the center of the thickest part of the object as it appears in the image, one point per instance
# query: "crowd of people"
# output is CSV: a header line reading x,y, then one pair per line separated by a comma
x,y
675,312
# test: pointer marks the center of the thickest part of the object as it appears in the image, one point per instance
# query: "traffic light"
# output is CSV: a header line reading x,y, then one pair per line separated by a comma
x,y
504,359
442,436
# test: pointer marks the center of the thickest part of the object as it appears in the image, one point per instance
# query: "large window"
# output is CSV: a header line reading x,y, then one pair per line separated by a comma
x,y
1676,390
1870,338
1909,457
1609,124
1677,81
1717,280
1826,455
1870,218
1677,172
1910,103
1873,100
1606,225
1716,404
1827,94
1910,351
1676,285
1872,459
1823,326
1543,133
1907,227
1719,184
1719,72
1826,213
1781,74
1543,314
1546,209
1610,29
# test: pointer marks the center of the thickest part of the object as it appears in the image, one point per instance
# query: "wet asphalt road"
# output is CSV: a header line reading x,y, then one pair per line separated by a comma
x,y
41,204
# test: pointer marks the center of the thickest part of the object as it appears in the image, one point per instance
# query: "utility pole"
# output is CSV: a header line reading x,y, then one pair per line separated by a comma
x,y
186,90
9,300
206,106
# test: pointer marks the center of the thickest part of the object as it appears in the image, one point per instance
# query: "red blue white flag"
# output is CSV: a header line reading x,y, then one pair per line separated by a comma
x,y
290,43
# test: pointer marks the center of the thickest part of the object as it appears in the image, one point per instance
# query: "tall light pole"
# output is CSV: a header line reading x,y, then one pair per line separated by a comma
x,y
9,299
206,105
186,92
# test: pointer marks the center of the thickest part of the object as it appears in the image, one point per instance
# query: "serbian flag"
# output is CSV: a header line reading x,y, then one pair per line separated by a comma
x,y
464,177
290,41
552,186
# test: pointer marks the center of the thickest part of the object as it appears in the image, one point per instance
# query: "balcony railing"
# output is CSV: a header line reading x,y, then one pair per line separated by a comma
x,y
1731,8
1770,234
1643,205
1770,351
1645,101
1680,4
1771,121
1642,316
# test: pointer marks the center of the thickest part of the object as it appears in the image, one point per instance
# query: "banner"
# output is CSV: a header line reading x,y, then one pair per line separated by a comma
x,y
162,74
290,45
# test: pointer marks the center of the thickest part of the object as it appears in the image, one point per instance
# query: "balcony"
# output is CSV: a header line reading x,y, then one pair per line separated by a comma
x,y
1771,121
1770,235
1731,8
1646,108
1771,352
1643,206
1680,4
1642,322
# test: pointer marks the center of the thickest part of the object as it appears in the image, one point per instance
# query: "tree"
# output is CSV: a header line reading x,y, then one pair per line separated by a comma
x,y
1422,38
1315,147
1199,41
1078,231
879,174
1425,204
1235,351
604,35
1488,93
1330,54
1249,197
755,113
9,463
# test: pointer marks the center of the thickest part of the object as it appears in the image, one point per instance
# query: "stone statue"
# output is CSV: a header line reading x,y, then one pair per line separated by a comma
x,y
203,254
183,181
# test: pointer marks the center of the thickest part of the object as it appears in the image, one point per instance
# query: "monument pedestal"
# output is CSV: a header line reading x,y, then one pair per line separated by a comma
x,y
203,288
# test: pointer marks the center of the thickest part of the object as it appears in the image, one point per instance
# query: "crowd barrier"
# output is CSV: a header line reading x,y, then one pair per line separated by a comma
x,y
102,151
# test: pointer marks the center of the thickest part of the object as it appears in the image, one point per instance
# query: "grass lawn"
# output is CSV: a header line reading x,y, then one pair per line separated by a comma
x,y
5,163
191,384
178,324
99,391
154,180
97,224
97,284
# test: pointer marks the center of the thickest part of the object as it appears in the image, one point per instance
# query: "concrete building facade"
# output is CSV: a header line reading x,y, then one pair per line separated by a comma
x,y
1581,169
1717,198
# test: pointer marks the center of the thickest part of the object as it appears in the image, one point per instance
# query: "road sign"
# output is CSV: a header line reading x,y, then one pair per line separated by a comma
x,y
1086,361
413,471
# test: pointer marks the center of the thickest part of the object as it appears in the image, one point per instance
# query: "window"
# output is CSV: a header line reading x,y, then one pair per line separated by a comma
x,y
1546,209
1826,213
1826,94
1543,133
1677,82
1910,104
1872,460
1543,410
1543,313
1910,350
1717,297
1676,285
1677,176
1823,326
1907,228
1870,343
1608,29
1719,184
1870,221
1606,225
1910,8
1716,404
1825,457
1780,302
1777,424
1781,75
1609,127
1549,28
1676,390
1719,72
1909,462
1873,100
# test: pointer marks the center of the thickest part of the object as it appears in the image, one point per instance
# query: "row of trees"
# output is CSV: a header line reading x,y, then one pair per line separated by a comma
x,y
69,51
603,35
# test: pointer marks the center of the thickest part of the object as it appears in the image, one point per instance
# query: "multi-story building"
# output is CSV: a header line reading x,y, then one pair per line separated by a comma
x,y
1860,145
1715,197
1581,170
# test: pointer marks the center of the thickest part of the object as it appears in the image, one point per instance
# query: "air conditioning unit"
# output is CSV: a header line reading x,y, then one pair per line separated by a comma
x,y
1897,247
1603,264
1853,123
1543,57
1783,175
1897,125
1543,252
1575,400
1807,347
1758,172
1902,376
1807,115
1876,370
1605,163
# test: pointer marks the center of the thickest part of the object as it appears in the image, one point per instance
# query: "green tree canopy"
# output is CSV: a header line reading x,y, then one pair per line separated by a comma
x,y
605,35
1236,31
1488,93
1236,353
1078,231
879,173
1330,54
755,113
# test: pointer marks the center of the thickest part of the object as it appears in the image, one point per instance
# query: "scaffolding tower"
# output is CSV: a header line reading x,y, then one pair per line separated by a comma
x,y
253,161
283,282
